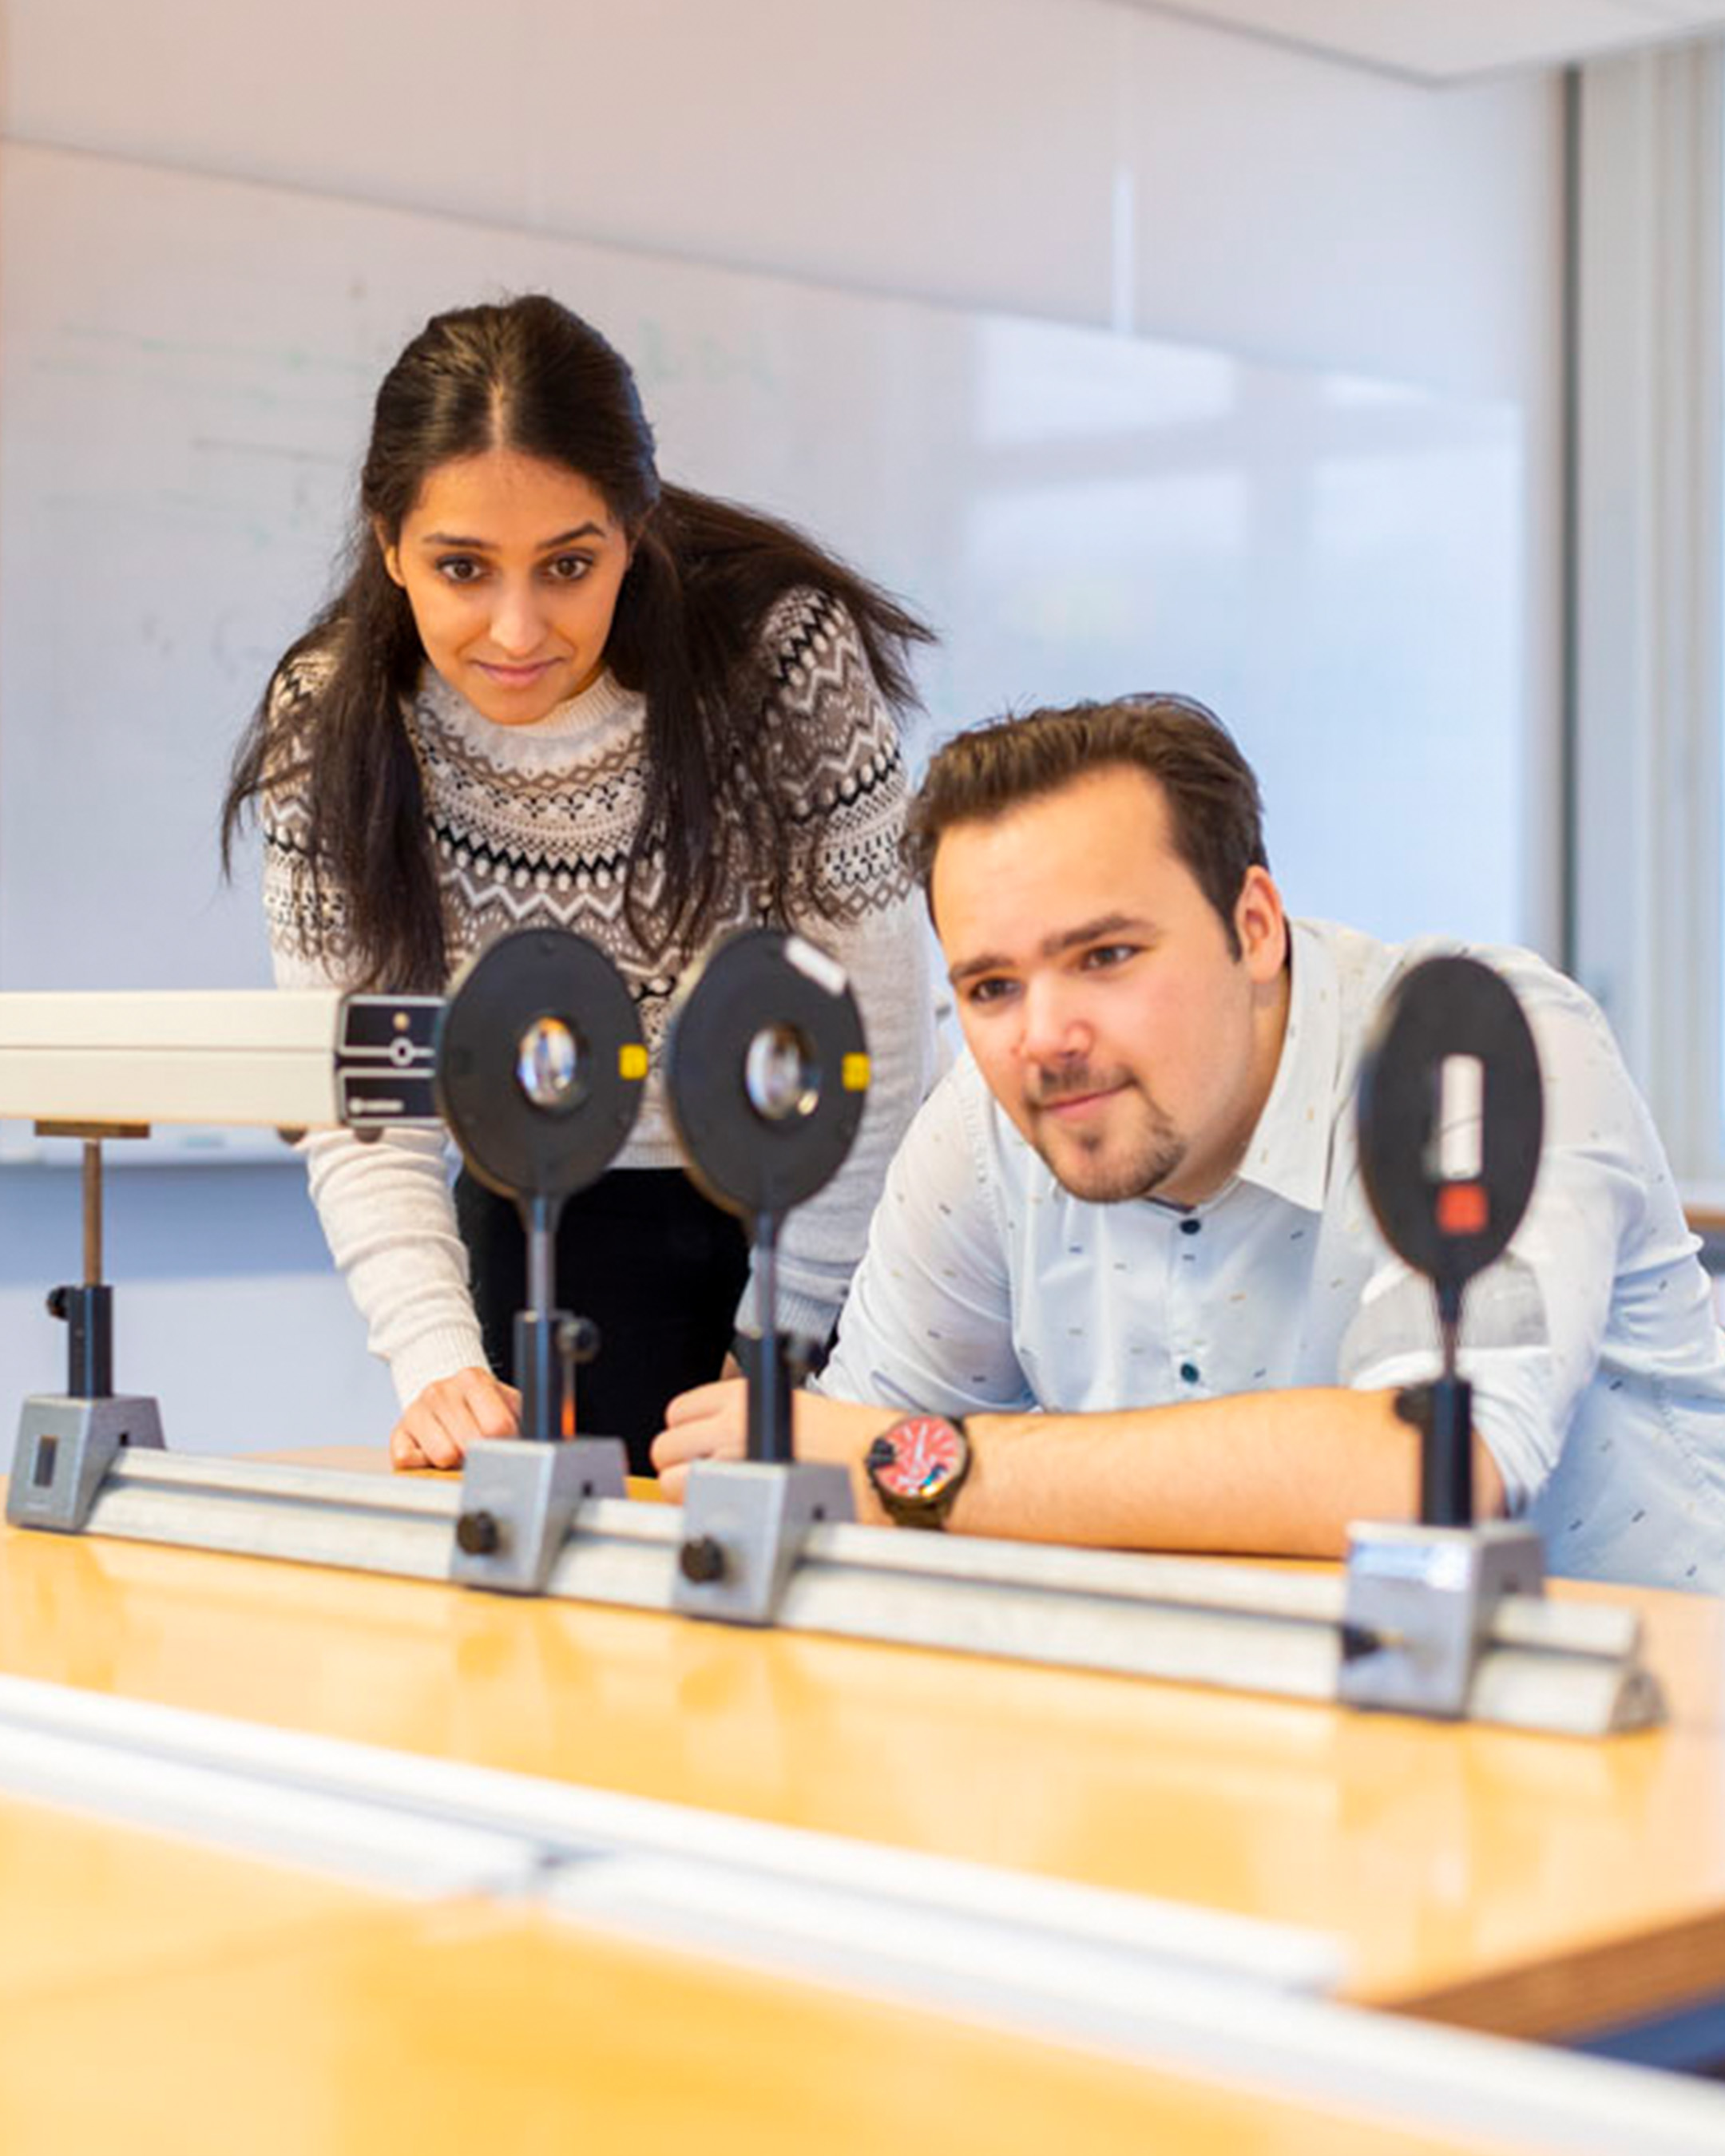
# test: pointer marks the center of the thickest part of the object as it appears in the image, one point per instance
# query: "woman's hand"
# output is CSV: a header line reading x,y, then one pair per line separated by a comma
x,y
440,1423
711,1423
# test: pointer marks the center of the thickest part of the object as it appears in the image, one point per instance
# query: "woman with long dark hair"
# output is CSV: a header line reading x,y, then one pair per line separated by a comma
x,y
553,689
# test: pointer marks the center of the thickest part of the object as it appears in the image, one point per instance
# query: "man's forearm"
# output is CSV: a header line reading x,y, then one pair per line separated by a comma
x,y
1272,1474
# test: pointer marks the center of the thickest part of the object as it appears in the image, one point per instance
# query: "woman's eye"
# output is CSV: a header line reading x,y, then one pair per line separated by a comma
x,y
459,569
568,568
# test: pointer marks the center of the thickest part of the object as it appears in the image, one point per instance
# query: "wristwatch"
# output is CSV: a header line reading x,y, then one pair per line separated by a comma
x,y
917,1468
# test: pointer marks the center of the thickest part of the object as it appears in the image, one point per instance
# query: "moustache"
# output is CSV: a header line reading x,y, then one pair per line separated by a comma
x,y
1048,1092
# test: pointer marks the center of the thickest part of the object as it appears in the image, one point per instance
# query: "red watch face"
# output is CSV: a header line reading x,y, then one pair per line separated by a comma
x,y
927,1453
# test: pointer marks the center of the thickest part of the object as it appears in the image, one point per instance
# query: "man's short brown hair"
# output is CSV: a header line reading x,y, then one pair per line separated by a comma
x,y
1214,808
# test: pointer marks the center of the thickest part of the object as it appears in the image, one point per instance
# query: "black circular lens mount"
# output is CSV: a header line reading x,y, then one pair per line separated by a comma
x,y
1448,1205
540,1062
766,1071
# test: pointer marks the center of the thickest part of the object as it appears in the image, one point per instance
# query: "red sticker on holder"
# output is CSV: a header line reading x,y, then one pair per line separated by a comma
x,y
1463,1209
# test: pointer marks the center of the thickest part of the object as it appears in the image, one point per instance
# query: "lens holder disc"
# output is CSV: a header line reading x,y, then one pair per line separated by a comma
x,y
766,1071
1449,1199
539,1062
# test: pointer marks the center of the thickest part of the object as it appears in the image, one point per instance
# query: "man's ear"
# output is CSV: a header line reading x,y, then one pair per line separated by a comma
x,y
391,552
1261,926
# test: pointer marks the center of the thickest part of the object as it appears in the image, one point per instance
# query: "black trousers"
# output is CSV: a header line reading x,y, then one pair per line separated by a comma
x,y
655,1266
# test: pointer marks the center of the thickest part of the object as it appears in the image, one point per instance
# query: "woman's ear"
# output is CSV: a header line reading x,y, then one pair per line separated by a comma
x,y
390,551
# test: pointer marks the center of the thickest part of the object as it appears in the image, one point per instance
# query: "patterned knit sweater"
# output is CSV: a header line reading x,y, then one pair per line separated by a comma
x,y
534,826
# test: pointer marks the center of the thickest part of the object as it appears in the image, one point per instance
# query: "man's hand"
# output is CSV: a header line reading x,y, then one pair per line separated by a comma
x,y
441,1422
711,1423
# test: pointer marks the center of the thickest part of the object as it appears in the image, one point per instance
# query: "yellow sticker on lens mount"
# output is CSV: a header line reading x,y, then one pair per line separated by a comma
x,y
854,1075
632,1060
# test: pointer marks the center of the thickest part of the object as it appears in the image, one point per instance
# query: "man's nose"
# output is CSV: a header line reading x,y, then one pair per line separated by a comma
x,y
1054,1030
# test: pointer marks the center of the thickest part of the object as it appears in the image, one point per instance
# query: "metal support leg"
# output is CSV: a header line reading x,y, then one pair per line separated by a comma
x,y
68,1441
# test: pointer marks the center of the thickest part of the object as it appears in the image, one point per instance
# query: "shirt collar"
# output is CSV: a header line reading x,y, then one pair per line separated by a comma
x,y
1289,1152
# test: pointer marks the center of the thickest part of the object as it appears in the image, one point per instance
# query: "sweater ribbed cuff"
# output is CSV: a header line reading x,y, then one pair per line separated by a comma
x,y
439,1353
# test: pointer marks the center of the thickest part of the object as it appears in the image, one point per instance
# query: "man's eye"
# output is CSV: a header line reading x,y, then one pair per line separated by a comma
x,y
992,991
459,569
1110,954
568,568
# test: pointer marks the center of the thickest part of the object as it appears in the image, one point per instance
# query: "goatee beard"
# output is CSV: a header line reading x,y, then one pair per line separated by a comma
x,y
1159,1155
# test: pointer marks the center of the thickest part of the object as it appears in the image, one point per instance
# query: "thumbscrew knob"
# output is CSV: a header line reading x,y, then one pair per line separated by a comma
x,y
702,1560
478,1533
577,1339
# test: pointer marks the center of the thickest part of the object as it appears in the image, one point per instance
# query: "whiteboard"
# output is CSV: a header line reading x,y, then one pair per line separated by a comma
x,y
186,366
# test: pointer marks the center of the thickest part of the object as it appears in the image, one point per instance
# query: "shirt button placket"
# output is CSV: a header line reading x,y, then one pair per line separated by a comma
x,y
1186,1298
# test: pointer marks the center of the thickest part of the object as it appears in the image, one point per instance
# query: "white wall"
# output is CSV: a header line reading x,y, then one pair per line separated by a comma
x,y
970,151
1070,158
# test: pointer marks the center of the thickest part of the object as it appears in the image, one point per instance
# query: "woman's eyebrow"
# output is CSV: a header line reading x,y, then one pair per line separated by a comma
x,y
588,530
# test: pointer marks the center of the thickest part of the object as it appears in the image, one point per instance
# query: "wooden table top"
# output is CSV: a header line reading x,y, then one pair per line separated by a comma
x,y
158,1997
1532,1885
87,1904
1704,1207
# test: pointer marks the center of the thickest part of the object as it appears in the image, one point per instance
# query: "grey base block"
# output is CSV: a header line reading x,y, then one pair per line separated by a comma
x,y
519,1499
65,1448
1419,1605
744,1525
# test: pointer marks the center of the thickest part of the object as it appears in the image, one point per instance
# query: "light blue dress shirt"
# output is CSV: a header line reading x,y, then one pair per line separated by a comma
x,y
1592,1346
